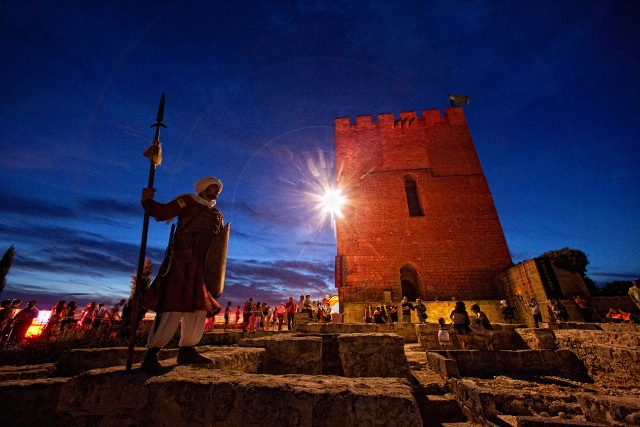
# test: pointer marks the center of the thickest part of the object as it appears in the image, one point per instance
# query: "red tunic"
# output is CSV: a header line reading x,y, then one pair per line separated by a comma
x,y
184,286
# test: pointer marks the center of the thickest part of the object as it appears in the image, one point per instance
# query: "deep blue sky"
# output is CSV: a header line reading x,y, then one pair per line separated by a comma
x,y
252,89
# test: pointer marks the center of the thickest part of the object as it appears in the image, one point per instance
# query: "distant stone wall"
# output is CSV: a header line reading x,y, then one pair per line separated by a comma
x,y
524,281
611,358
354,312
487,364
505,337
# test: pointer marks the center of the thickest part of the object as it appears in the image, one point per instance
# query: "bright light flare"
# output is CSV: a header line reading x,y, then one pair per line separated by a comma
x,y
332,202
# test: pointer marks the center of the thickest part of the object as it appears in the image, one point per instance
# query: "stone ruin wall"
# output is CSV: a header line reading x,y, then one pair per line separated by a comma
x,y
456,248
354,313
525,279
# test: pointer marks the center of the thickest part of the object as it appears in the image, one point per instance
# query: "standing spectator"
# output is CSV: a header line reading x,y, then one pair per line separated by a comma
x,y
115,314
461,322
246,314
367,314
421,311
281,312
634,292
227,313
300,304
535,311
393,312
57,313
486,332
559,311
267,312
291,311
23,320
235,324
377,315
326,308
507,311
11,311
443,335
87,315
100,316
69,315
407,307
583,307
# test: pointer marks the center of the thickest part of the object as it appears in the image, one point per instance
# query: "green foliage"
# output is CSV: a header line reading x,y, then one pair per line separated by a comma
x,y
569,259
145,282
47,347
616,288
5,265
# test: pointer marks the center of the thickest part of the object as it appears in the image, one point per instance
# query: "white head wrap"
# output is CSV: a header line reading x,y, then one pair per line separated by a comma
x,y
203,183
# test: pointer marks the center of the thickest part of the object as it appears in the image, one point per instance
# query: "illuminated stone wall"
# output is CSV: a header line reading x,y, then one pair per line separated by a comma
x,y
452,251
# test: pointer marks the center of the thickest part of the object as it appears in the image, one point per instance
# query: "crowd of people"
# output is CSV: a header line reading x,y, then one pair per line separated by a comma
x,y
16,320
260,316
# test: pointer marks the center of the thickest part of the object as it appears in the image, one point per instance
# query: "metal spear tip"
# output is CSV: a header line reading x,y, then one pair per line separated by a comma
x,y
161,109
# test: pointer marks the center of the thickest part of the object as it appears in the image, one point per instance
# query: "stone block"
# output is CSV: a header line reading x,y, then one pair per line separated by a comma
x,y
29,402
510,361
538,339
553,422
191,396
331,363
476,401
610,410
75,361
442,365
407,331
373,355
286,354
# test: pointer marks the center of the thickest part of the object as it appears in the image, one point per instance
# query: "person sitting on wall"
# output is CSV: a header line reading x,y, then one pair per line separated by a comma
x,y
583,307
614,315
482,328
559,311
628,317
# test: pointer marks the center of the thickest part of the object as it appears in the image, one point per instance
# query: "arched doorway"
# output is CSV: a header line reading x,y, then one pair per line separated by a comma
x,y
409,282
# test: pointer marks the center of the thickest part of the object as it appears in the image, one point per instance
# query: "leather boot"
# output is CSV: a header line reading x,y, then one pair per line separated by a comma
x,y
150,362
189,355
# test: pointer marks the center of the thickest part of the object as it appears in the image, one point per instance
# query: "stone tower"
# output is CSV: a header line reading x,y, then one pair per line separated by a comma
x,y
420,220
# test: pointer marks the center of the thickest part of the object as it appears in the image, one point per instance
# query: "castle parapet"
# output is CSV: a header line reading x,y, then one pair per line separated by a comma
x,y
451,116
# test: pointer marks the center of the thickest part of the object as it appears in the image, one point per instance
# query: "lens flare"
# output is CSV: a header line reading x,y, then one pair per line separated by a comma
x,y
332,202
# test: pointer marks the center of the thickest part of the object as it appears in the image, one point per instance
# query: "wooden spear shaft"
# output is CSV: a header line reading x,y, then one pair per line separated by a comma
x,y
135,306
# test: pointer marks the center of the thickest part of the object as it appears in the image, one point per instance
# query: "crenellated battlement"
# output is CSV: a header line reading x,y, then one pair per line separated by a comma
x,y
451,116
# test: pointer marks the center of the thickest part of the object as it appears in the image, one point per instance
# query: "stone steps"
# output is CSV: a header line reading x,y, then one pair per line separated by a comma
x,y
183,395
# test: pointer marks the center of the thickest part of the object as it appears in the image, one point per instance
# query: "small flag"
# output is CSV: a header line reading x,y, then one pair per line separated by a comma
x,y
458,100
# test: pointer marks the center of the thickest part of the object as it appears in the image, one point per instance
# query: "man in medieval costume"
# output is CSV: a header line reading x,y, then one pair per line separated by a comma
x,y
179,294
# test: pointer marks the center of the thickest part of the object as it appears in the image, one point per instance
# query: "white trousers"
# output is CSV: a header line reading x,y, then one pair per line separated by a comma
x,y
191,330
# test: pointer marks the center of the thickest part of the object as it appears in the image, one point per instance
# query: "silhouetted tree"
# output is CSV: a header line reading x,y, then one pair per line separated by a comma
x,y
569,259
573,260
5,265
147,271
